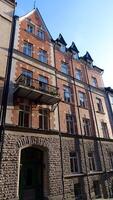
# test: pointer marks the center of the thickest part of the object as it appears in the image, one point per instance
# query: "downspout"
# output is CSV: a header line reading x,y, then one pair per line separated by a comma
x,y
60,136
81,132
6,83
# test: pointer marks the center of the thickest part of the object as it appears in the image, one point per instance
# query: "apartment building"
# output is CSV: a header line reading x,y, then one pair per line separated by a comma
x,y
58,140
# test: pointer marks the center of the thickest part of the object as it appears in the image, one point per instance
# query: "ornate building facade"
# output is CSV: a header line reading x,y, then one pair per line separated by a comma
x,y
58,140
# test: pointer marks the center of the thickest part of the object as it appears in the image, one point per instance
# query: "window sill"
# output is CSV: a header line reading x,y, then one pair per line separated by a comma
x,y
103,113
95,172
34,35
74,175
83,107
72,103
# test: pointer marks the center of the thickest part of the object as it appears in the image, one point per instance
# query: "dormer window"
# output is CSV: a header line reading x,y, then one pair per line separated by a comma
x,y
41,34
30,28
62,48
94,82
75,56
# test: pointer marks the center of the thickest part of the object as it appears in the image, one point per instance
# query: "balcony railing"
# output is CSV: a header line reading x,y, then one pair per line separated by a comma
x,y
36,90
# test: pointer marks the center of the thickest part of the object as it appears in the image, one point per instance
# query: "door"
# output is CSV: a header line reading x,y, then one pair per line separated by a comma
x,y
31,175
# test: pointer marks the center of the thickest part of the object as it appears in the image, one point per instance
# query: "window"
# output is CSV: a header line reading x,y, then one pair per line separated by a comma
x,y
82,100
74,162
99,105
87,127
97,191
78,191
30,28
64,68
111,160
92,165
27,77
75,56
67,94
62,48
43,83
24,116
43,56
70,123
94,82
105,130
78,74
44,118
41,34
28,49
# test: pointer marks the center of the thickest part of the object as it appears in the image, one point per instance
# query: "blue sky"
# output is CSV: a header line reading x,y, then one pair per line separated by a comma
x,y
89,23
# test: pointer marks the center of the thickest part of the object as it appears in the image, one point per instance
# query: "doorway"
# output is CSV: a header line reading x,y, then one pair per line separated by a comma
x,y
31,174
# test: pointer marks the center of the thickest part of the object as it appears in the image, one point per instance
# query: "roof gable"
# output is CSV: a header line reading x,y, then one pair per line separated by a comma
x,y
73,48
37,13
87,57
61,40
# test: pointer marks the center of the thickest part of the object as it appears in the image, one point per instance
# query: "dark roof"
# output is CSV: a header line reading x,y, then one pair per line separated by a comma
x,y
87,57
109,89
61,40
98,68
73,48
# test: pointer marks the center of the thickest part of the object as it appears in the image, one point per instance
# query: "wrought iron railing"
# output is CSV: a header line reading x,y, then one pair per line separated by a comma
x,y
37,85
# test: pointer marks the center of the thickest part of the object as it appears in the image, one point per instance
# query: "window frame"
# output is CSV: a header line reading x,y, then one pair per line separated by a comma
x,y
28,48
43,56
44,114
92,162
78,74
94,82
87,126
99,105
83,103
24,111
79,191
70,122
74,163
104,129
41,34
97,189
65,68
67,94
31,26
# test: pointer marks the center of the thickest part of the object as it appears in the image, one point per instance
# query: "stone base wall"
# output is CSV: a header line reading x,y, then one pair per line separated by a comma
x,y
14,142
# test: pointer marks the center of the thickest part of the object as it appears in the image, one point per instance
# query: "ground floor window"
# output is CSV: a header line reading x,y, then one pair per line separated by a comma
x,y
44,118
97,190
78,191
74,162
24,116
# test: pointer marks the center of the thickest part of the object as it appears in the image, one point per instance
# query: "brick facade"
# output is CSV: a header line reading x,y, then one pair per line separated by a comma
x,y
62,131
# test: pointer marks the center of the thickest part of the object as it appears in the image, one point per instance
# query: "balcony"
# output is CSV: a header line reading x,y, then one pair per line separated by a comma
x,y
37,91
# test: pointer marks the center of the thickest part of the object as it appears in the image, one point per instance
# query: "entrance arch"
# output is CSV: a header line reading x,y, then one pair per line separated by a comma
x,y
31,174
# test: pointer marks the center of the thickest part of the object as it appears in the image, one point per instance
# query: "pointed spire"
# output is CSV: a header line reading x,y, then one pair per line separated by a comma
x,y
34,4
73,48
61,40
87,57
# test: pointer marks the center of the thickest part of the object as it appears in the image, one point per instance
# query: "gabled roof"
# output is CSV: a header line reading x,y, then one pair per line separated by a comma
x,y
35,10
61,40
73,48
87,57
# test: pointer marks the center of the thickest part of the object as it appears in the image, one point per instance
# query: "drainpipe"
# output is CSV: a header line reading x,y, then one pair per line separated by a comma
x,y
6,83
60,136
